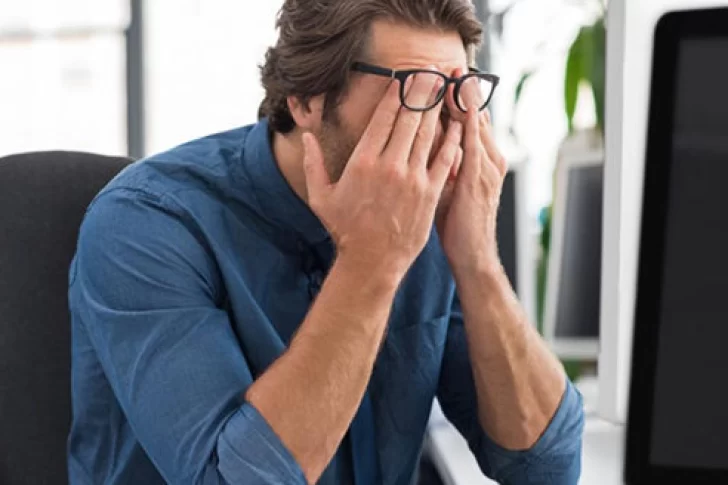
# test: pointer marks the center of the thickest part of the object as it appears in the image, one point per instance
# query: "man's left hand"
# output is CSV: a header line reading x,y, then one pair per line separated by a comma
x,y
466,219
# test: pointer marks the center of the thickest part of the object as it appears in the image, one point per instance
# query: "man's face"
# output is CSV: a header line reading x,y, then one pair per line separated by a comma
x,y
394,46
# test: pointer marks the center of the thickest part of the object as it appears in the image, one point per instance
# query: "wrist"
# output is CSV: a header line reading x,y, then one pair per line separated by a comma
x,y
370,279
350,294
482,266
486,277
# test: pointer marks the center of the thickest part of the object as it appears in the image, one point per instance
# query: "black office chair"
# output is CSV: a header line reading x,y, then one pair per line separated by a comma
x,y
43,197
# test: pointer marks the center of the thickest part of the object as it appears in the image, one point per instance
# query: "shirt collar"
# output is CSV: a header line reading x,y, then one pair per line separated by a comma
x,y
275,197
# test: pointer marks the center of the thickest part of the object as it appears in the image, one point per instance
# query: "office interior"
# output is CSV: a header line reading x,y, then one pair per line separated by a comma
x,y
614,121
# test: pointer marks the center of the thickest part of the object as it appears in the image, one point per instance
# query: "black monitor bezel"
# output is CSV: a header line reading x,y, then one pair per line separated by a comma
x,y
670,31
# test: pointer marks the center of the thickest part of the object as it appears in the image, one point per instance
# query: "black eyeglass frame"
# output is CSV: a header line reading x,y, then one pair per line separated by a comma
x,y
402,75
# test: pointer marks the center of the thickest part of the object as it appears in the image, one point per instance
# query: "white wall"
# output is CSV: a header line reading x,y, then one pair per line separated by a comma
x,y
202,66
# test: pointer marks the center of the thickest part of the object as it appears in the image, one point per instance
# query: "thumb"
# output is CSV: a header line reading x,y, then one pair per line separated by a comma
x,y
317,179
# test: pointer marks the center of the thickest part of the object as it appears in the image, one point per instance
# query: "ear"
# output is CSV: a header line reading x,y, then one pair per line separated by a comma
x,y
307,115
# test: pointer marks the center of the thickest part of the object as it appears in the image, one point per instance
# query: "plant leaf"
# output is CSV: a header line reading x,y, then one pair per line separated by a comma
x,y
521,83
574,75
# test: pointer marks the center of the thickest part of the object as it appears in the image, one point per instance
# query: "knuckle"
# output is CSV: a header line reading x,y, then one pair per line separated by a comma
x,y
317,205
366,160
427,131
422,183
411,120
395,172
390,116
501,161
449,154
483,153
364,156
424,136
431,196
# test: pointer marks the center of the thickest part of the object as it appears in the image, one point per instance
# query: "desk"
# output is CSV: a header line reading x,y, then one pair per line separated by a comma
x,y
602,459
602,453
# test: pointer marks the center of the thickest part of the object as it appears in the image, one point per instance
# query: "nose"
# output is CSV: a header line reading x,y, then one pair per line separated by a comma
x,y
445,117
450,107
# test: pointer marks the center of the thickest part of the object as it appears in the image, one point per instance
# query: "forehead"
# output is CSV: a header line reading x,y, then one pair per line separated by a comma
x,y
401,46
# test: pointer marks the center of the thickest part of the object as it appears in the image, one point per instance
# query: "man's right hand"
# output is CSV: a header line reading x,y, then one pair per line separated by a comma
x,y
381,211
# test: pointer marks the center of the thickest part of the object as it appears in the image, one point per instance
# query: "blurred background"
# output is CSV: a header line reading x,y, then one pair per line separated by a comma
x,y
134,77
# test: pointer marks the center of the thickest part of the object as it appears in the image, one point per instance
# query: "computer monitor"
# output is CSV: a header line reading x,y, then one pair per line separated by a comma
x,y
514,236
630,40
677,430
571,312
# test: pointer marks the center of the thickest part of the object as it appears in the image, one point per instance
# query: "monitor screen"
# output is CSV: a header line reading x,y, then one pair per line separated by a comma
x,y
507,228
678,419
577,308
690,402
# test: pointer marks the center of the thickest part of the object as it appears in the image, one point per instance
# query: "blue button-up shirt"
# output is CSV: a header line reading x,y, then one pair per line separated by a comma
x,y
193,271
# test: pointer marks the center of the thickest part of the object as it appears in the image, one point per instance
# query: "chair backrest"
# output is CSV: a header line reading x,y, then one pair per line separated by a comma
x,y
43,197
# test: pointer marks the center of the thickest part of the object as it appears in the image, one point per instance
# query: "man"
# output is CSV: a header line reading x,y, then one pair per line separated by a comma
x,y
272,304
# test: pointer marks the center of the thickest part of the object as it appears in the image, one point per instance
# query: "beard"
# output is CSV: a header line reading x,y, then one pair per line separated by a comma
x,y
338,143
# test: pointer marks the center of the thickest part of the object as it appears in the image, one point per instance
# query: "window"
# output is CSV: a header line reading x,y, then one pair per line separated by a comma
x,y
64,76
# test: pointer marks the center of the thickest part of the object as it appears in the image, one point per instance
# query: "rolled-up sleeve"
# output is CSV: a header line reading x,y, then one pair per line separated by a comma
x,y
555,459
145,289
250,452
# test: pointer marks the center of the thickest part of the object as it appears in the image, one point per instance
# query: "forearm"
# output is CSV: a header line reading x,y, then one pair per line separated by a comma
x,y
519,382
310,395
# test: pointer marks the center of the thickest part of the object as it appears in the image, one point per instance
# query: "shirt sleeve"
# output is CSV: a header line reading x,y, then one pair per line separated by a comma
x,y
145,287
555,459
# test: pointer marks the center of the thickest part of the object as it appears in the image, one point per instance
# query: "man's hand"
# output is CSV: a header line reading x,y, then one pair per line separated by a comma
x,y
380,215
381,211
467,214
519,382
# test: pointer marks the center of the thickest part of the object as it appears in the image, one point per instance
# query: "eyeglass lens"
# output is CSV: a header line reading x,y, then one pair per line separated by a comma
x,y
474,91
423,90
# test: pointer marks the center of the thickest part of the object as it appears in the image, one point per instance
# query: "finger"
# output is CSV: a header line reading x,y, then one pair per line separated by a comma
x,y
488,140
447,156
317,178
471,95
424,87
489,165
455,112
455,170
425,138
377,134
472,146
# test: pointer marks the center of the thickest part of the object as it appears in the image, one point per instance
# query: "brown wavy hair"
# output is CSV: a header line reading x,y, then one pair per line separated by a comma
x,y
320,39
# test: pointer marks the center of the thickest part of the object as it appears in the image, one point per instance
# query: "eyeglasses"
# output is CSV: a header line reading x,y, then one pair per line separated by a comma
x,y
476,83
